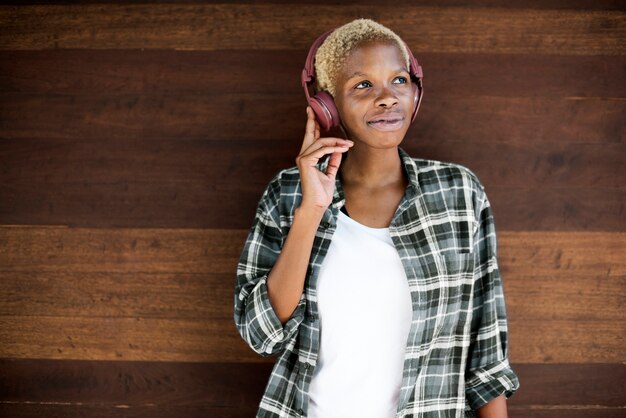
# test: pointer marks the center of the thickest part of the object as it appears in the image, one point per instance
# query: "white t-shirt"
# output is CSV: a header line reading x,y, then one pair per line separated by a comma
x,y
365,314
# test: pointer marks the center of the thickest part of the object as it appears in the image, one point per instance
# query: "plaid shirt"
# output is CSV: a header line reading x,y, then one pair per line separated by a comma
x,y
456,357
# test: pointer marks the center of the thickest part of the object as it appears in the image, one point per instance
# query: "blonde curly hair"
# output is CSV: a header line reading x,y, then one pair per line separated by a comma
x,y
334,51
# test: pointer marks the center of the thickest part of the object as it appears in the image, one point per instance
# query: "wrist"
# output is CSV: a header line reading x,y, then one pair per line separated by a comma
x,y
312,214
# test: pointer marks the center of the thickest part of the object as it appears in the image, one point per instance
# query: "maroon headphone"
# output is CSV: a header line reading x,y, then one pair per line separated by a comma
x,y
323,104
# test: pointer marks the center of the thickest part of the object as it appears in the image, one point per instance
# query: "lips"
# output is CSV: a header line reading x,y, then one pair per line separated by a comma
x,y
387,117
387,122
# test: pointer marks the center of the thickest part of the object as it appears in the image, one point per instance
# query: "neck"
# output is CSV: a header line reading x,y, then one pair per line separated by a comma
x,y
371,167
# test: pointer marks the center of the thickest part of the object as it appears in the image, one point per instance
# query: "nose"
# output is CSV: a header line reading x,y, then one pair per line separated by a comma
x,y
386,98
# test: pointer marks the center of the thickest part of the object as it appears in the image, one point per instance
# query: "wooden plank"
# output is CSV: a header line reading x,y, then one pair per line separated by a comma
x,y
188,251
546,165
269,116
209,27
563,296
571,385
593,254
54,410
213,251
164,294
209,73
558,341
70,411
557,209
566,412
139,183
83,338
506,4
108,338
184,251
175,383
560,295
136,389
145,295
133,383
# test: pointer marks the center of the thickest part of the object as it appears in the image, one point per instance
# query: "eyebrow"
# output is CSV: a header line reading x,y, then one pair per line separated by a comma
x,y
360,74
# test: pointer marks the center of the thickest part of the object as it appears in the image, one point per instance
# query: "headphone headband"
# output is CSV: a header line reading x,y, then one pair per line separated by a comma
x,y
308,73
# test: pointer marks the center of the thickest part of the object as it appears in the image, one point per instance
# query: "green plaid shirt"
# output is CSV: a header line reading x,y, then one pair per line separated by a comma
x,y
456,357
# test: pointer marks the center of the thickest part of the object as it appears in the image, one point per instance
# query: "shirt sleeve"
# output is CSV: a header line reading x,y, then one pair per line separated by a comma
x,y
488,372
254,315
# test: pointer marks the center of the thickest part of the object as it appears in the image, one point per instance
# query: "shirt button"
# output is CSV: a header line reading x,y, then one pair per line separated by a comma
x,y
306,366
300,412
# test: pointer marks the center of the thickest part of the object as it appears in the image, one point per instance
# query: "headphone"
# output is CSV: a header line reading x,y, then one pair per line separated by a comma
x,y
322,102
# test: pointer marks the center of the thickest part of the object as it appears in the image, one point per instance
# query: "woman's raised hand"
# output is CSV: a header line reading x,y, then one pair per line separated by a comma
x,y
318,187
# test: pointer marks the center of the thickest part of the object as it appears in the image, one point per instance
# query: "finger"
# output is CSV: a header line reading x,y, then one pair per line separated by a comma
x,y
315,156
333,165
309,132
325,142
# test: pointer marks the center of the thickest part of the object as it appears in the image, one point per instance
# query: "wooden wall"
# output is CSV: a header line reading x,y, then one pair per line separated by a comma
x,y
136,139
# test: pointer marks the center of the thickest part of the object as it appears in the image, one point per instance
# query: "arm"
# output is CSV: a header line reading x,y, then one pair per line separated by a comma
x,y
269,297
286,279
496,408
254,315
488,373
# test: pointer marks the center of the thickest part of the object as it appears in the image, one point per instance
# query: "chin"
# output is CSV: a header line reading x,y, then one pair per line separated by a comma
x,y
390,140
378,138
395,136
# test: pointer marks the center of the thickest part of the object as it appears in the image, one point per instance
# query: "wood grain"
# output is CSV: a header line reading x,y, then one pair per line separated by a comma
x,y
137,389
122,295
577,253
137,339
270,116
556,295
107,72
210,251
265,26
53,410
206,340
136,140
169,183
214,251
563,295
505,4
167,295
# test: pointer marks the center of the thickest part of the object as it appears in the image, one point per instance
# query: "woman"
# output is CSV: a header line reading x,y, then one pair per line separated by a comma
x,y
371,274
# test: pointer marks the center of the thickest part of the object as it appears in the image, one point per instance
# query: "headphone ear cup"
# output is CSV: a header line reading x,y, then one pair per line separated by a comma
x,y
325,110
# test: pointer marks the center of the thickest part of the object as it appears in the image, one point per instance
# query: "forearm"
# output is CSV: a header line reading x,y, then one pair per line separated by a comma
x,y
285,282
496,408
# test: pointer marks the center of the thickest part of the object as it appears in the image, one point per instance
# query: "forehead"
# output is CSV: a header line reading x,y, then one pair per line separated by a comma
x,y
373,56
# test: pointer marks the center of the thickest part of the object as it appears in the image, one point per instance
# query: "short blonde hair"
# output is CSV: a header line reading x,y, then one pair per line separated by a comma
x,y
333,52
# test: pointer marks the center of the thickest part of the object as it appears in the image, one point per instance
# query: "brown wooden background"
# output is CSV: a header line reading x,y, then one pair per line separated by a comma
x,y
136,139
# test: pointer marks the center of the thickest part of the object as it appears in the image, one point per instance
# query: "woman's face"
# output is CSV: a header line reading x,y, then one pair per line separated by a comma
x,y
375,95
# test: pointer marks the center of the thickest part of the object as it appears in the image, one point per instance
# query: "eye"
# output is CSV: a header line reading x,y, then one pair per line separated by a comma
x,y
363,84
401,80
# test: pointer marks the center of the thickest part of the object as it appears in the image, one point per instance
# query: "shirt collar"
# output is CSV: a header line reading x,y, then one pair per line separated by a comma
x,y
410,168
